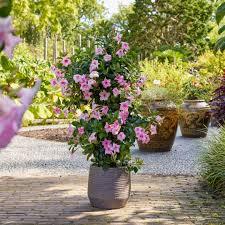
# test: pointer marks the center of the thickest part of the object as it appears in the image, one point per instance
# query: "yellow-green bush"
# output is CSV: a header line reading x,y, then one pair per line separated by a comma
x,y
172,76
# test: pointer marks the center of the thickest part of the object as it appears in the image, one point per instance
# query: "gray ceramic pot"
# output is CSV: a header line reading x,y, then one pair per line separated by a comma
x,y
108,189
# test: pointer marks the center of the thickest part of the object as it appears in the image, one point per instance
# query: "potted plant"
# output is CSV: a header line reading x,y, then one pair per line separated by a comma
x,y
101,88
156,99
195,112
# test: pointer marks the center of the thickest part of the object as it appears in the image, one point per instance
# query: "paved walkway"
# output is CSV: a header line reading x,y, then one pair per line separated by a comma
x,y
30,156
63,200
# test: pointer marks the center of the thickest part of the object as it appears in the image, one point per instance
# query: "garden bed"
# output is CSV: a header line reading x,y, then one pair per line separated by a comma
x,y
56,134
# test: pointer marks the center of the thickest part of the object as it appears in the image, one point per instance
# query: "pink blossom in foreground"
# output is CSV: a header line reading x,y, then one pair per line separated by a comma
x,y
99,51
105,110
125,46
104,95
59,74
70,131
92,138
120,53
63,83
107,58
84,116
153,129
66,61
7,40
81,130
120,79
87,95
11,114
141,135
115,128
106,83
118,38
116,92
121,136
108,127
141,81
94,74
96,115
123,115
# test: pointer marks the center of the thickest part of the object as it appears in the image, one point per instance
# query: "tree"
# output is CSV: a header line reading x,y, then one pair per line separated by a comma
x,y
169,22
63,17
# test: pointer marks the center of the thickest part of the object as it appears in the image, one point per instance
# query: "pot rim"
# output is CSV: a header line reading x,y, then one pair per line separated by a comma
x,y
109,168
196,100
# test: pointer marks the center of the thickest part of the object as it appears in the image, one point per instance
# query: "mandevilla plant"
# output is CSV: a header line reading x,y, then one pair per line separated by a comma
x,y
103,86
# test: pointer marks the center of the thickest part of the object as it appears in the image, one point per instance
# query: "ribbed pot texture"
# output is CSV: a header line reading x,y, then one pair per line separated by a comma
x,y
194,118
108,189
166,132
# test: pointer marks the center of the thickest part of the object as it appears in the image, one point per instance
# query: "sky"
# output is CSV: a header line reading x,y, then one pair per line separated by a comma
x,y
112,5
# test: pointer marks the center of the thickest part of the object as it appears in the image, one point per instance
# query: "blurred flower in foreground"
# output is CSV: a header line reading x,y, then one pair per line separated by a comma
x,y
11,114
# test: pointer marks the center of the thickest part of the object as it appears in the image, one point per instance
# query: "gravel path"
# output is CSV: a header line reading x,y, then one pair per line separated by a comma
x,y
28,156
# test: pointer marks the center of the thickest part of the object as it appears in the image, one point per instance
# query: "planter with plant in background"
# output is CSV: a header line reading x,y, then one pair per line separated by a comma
x,y
195,112
102,86
156,100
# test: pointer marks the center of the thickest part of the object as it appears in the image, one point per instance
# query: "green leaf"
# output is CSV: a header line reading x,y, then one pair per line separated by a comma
x,y
221,30
220,13
5,8
220,44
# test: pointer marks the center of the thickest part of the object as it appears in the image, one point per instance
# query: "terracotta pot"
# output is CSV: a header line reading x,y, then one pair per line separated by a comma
x,y
110,188
194,118
166,132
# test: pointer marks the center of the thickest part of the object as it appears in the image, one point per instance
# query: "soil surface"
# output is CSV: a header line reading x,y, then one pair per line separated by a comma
x,y
59,134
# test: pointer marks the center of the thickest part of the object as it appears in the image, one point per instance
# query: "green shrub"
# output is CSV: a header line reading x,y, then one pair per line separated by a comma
x,y
172,76
213,163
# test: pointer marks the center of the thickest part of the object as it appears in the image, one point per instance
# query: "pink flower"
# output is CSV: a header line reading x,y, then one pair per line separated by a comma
x,y
116,92
96,115
94,65
87,95
99,51
105,110
94,74
91,82
80,130
123,115
138,91
70,131
124,106
84,116
115,128
120,79
11,114
107,146
141,135
85,87
66,61
92,138
120,53
63,82
7,40
108,127
106,83
125,46
107,58
121,136
57,110
159,119
104,95
141,81
54,82
153,129
118,38
77,78
59,74
116,148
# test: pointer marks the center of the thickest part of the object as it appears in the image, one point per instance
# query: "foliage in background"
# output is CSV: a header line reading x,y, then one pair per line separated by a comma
x,y
196,88
67,18
170,75
213,163
218,103
22,72
171,22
